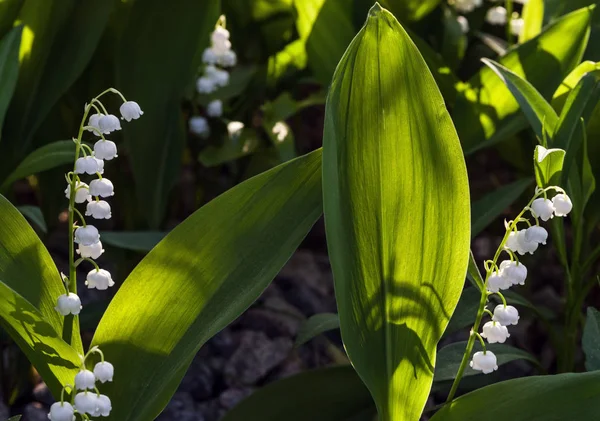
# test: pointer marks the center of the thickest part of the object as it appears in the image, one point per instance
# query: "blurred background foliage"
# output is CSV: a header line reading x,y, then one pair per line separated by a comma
x,y
56,54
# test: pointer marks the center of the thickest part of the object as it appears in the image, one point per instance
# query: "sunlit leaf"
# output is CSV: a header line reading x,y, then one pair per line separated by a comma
x,y
396,206
548,164
34,214
133,240
533,17
199,278
410,9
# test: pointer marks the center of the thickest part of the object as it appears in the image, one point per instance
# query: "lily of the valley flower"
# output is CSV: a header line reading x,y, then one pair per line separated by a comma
x,y
94,251
102,188
496,16
130,110
93,123
87,235
506,315
82,192
104,405
542,208
199,126
495,332
517,242
84,380
87,403
514,272
68,304
98,209
497,281
105,149
99,279
87,165
61,411
562,204
215,108
104,372
484,361
109,123
536,234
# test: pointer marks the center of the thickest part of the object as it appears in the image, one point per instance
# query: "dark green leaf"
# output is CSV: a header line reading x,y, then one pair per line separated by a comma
x,y
326,394
539,398
235,145
473,274
142,241
34,214
591,340
488,208
396,206
466,310
315,325
9,67
199,278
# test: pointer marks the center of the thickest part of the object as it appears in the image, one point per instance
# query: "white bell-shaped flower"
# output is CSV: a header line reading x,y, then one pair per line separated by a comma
x,y
130,110
87,165
220,34
68,304
100,165
84,380
199,126
542,208
517,243
93,124
98,209
102,188
227,59
104,372
495,332
536,234
99,279
87,402
94,251
485,362
109,123
506,315
562,204
105,149
514,272
497,281
104,405
464,24
466,6
496,16
205,85
82,192
87,235
516,26
215,108
219,77
209,56
61,411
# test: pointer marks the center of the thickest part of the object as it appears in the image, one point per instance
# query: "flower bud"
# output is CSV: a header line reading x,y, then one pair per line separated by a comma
x,y
506,315
130,110
85,379
215,108
515,272
495,332
199,126
82,192
87,402
536,234
99,279
87,235
542,208
68,304
562,204
61,411
105,149
485,362
102,188
98,209
104,405
104,372
109,123
94,251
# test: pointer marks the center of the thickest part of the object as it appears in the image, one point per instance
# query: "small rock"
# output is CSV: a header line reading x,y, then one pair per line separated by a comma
x,y
181,408
255,357
42,394
211,410
291,366
231,397
4,412
199,381
35,411
223,343
304,269
273,323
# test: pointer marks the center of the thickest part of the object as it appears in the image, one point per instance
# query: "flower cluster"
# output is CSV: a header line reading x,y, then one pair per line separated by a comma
x,y
90,161
512,272
216,58
89,401
499,16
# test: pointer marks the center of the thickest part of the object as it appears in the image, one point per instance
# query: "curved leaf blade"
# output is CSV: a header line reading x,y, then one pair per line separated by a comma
x,y
326,394
315,325
199,278
9,67
591,340
533,16
538,398
391,163
142,241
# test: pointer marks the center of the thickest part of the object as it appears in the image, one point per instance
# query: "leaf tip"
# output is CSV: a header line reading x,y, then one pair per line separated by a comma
x,y
376,9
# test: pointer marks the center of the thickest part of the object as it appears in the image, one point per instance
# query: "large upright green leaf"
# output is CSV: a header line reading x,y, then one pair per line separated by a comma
x,y
591,340
9,68
410,9
199,278
533,17
540,398
27,268
52,357
326,394
486,113
396,204
159,53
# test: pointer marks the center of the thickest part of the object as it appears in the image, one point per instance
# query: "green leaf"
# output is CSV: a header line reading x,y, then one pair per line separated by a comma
x,y
142,241
485,113
35,215
9,9
465,312
45,158
396,204
485,210
410,9
156,141
27,268
325,394
52,357
591,340
473,274
235,145
562,92
9,67
539,113
548,164
15,418
199,278
450,357
539,398
315,325
533,17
